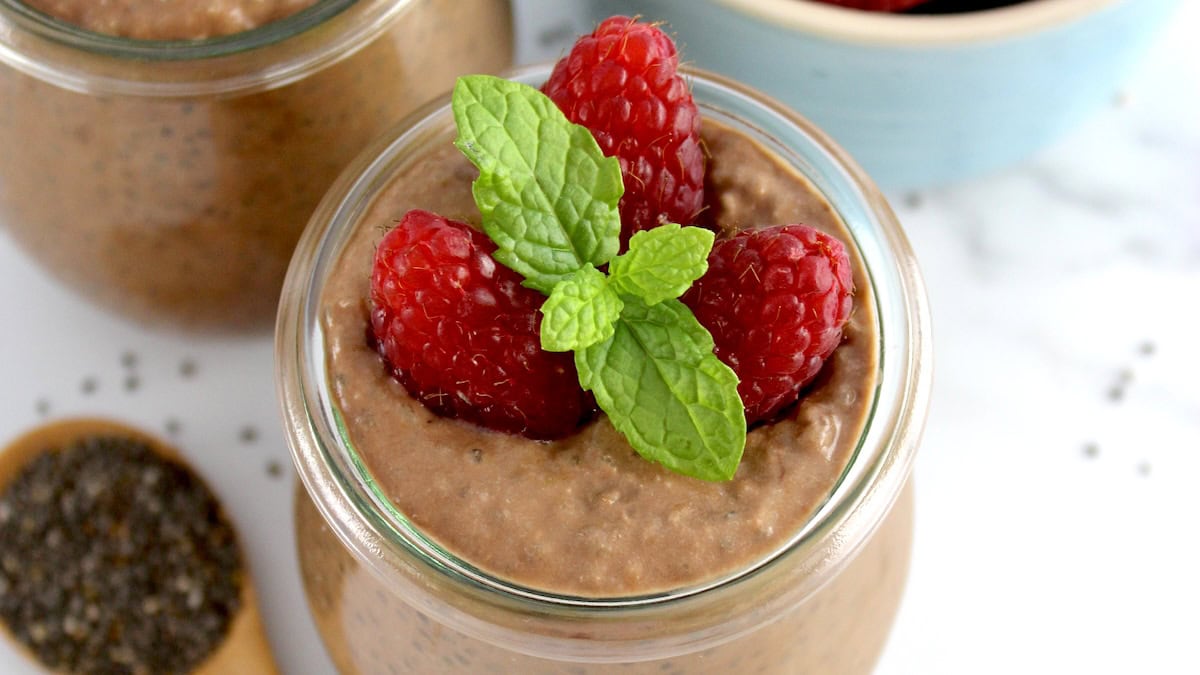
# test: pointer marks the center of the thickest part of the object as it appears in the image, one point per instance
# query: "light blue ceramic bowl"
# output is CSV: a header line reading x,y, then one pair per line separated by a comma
x,y
920,99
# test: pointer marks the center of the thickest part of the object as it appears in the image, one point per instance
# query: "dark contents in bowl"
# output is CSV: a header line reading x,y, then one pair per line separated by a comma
x,y
959,6
115,560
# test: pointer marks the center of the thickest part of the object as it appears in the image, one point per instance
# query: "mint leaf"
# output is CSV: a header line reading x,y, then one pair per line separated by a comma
x,y
663,388
547,194
662,262
581,311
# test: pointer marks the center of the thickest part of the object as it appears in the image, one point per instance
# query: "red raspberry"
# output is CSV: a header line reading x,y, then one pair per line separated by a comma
x,y
461,333
775,300
621,83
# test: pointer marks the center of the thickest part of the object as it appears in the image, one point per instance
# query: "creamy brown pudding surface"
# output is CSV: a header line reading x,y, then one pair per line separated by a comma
x,y
169,19
586,515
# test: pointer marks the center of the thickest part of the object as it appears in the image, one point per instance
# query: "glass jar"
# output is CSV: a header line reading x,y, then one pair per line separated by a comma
x,y
170,180
388,599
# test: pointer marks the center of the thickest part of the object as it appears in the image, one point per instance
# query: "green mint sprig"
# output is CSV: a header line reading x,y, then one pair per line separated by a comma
x,y
548,199
548,202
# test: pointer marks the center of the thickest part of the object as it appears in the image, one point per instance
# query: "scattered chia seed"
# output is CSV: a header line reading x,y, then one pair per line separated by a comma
x,y
1091,450
129,360
116,560
89,385
132,382
173,426
42,406
274,469
1116,393
1147,348
187,368
913,200
248,434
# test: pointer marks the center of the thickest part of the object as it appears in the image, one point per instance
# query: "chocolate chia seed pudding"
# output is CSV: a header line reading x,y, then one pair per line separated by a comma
x,y
631,568
593,517
170,180
179,20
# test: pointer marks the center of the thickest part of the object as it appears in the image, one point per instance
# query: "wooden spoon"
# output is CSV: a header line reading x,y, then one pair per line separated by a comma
x,y
245,648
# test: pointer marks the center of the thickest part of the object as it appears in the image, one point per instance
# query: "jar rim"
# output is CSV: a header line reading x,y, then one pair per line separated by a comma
x,y
56,29
322,456
79,59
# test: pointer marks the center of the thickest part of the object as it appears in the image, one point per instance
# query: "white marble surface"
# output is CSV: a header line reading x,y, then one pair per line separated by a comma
x,y
1056,485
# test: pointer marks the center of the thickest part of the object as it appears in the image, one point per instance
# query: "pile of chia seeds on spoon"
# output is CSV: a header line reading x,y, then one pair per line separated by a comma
x,y
114,559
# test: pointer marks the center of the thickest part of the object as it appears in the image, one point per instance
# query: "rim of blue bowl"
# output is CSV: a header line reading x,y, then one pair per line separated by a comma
x,y
918,30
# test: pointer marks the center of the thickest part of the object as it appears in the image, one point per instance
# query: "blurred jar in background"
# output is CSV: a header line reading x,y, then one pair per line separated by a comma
x,y
167,170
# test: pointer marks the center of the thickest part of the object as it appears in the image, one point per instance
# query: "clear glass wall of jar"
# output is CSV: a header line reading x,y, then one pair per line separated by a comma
x,y
170,180
386,599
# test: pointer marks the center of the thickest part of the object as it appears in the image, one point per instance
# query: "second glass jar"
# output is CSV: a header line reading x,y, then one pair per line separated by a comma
x,y
170,180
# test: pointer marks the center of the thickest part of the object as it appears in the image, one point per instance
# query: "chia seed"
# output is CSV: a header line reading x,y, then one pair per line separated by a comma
x,y
1116,393
248,434
187,368
116,560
